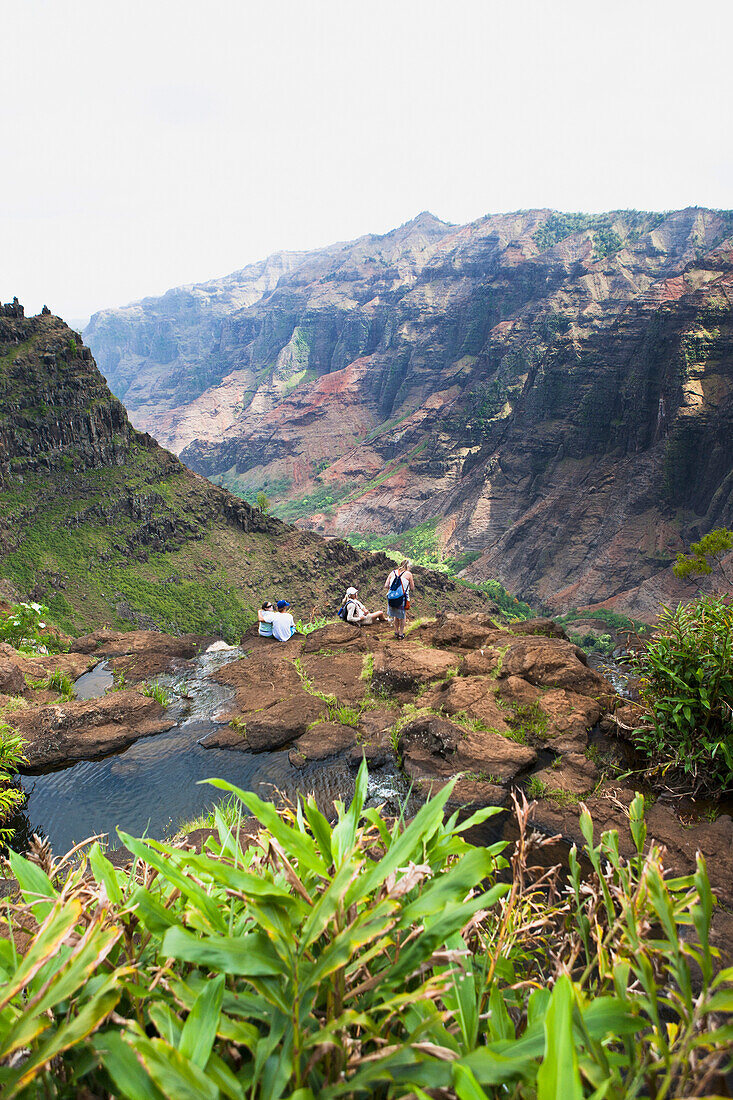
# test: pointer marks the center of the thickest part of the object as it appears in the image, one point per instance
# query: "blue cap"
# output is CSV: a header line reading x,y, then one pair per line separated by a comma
x,y
282,604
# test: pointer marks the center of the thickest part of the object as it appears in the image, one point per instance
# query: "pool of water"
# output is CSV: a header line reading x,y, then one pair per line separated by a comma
x,y
94,683
155,784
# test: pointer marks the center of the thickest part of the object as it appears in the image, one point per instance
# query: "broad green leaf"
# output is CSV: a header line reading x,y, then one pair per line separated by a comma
x,y
105,873
88,1019
466,1085
35,885
558,1074
199,1030
250,956
297,845
127,1073
172,1073
153,856
46,944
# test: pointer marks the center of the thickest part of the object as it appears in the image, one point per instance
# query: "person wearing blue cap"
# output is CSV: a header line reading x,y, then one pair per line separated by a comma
x,y
283,624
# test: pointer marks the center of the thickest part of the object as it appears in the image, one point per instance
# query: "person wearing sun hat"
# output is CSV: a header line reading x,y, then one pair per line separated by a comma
x,y
356,612
283,623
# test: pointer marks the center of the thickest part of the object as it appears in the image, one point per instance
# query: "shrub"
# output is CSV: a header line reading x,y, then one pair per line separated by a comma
x,y
11,796
686,685
23,627
263,502
362,959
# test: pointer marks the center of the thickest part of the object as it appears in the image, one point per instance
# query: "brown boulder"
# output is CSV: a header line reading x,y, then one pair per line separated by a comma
x,y
568,716
475,696
321,741
574,775
435,748
58,735
547,628
337,674
404,666
12,680
553,662
269,729
260,681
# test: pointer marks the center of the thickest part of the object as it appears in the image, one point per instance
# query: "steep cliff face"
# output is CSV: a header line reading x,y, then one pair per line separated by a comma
x,y
108,528
554,390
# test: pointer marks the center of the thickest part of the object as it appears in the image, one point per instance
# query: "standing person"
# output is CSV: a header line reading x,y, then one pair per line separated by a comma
x,y
399,584
357,613
265,617
283,623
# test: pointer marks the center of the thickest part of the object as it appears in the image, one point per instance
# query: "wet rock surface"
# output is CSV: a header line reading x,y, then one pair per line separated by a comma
x,y
64,733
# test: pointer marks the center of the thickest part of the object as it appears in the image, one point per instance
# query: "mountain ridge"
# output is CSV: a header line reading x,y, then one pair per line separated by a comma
x,y
390,381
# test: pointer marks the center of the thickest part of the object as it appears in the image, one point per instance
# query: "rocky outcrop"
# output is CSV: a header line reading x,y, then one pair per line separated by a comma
x,y
554,391
61,734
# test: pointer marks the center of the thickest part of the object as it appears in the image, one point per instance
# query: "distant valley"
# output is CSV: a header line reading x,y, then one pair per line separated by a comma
x,y
547,398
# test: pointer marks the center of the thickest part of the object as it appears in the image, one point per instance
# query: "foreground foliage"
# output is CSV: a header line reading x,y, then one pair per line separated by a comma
x,y
11,795
686,684
363,959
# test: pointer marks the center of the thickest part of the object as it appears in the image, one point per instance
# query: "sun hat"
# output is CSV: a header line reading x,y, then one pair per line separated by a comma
x,y
350,591
282,604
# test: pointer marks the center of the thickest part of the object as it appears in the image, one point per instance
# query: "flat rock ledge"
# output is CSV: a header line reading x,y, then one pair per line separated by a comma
x,y
65,733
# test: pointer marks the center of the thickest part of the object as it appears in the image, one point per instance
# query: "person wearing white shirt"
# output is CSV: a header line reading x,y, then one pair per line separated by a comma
x,y
356,612
283,623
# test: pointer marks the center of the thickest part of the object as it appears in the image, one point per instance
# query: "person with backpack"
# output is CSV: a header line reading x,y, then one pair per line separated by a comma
x,y
353,611
399,584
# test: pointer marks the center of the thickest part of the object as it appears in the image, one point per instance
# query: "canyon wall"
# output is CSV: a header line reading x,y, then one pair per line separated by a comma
x,y
554,391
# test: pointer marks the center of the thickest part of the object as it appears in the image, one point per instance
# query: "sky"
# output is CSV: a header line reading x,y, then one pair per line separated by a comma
x,y
152,143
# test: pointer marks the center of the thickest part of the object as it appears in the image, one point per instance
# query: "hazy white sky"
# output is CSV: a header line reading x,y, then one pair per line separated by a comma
x,y
149,143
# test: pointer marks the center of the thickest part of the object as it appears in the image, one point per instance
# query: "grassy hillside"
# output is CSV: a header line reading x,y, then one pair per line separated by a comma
x,y
106,527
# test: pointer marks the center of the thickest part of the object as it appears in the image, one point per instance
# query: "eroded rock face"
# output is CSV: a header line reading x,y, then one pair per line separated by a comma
x,y
12,680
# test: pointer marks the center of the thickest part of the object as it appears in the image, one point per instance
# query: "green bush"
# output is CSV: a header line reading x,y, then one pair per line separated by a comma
x,y
686,685
361,959
23,627
11,796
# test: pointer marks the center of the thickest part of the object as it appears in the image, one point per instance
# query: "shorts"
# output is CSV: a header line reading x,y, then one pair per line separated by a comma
x,y
397,612
369,618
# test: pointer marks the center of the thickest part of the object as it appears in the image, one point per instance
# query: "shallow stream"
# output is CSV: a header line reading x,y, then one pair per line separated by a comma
x,y
154,785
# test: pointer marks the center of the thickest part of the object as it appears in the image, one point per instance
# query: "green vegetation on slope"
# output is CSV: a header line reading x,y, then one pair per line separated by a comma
x,y
686,678
421,545
293,968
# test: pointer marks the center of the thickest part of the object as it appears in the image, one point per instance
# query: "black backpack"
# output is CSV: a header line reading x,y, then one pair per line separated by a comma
x,y
396,594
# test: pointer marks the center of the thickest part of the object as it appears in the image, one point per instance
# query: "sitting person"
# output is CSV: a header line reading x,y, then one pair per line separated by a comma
x,y
356,613
265,617
283,623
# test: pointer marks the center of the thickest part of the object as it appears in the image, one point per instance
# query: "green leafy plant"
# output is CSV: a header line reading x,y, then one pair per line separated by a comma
x,y
119,683
11,795
706,556
314,623
686,686
345,714
263,502
362,959
23,627
157,691
55,681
